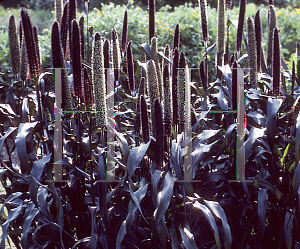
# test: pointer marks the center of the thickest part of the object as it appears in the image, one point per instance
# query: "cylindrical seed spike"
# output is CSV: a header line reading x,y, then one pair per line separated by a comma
x,y
81,25
258,36
203,79
116,55
276,63
272,24
58,7
252,52
159,134
98,81
34,67
234,86
168,113
181,92
151,9
203,17
88,90
176,38
144,120
58,61
174,85
14,45
130,67
124,33
65,28
240,28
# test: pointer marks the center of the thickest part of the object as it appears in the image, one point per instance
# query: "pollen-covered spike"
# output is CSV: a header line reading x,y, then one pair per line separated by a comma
x,y
252,52
151,9
58,61
58,7
239,36
24,62
272,24
116,55
153,49
168,112
258,36
21,33
14,45
64,31
76,62
181,92
176,38
124,33
130,67
159,134
276,63
203,17
145,120
203,79
234,86
221,33
98,81
174,85
88,90
153,89
81,25
37,44
34,67
271,2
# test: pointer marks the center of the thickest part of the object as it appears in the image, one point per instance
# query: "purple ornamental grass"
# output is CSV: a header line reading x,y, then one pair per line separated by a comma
x,y
21,33
24,68
203,79
65,28
258,36
33,61
176,38
81,25
72,16
159,134
130,67
14,45
116,56
88,90
58,61
174,84
106,54
181,92
124,33
234,86
203,17
37,43
76,62
252,52
168,113
272,24
276,63
151,9
141,91
240,28
144,120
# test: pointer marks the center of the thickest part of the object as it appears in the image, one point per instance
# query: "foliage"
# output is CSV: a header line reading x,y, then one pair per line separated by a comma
x,y
122,194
